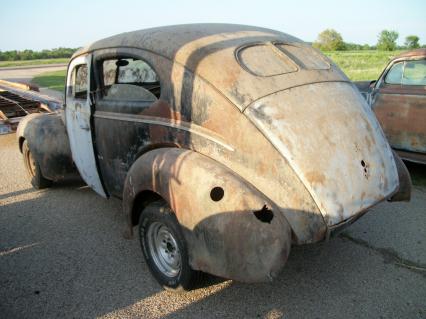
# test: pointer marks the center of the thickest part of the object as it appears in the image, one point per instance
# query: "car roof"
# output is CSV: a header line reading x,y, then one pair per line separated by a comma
x,y
210,51
167,40
413,53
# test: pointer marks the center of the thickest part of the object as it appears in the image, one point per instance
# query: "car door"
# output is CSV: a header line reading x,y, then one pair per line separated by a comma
x,y
78,121
399,102
123,118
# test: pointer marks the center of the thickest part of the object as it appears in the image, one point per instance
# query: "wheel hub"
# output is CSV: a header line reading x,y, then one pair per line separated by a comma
x,y
164,249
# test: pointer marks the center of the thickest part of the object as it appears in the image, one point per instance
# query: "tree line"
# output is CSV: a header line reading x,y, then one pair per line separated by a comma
x,y
328,40
331,40
16,55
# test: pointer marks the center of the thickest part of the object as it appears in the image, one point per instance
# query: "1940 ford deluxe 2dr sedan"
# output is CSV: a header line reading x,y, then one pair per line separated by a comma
x,y
226,144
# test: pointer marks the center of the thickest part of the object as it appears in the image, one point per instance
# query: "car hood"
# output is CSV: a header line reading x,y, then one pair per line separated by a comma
x,y
333,142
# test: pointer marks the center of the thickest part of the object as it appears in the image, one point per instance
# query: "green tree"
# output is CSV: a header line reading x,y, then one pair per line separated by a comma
x,y
412,42
387,40
329,40
30,54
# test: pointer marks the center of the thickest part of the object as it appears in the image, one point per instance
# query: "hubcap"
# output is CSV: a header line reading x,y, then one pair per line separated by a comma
x,y
164,249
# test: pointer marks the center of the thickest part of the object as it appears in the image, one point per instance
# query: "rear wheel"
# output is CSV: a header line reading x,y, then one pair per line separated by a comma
x,y
164,248
33,169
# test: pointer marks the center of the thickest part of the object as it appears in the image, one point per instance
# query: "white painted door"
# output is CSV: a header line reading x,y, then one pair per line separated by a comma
x,y
77,115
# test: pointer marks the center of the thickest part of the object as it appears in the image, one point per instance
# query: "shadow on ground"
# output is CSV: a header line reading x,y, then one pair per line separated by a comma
x,y
74,262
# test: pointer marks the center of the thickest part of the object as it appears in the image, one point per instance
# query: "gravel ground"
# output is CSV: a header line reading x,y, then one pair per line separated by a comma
x,y
62,254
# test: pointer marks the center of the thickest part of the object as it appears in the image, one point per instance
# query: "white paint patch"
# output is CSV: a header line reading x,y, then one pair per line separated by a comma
x,y
77,116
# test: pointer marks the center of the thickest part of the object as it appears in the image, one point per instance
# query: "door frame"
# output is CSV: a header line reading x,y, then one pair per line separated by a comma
x,y
78,119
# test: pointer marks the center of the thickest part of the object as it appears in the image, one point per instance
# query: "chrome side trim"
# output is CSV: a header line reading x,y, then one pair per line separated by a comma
x,y
180,125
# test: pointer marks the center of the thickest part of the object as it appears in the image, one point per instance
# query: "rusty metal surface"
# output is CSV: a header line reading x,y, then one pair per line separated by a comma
x,y
50,103
299,142
226,234
196,92
421,53
402,115
17,100
48,143
190,114
343,160
204,49
401,109
12,108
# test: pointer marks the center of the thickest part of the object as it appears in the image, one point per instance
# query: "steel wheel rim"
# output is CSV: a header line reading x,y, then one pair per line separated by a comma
x,y
164,250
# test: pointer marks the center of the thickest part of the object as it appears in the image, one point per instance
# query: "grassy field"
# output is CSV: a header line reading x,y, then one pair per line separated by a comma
x,y
51,80
32,62
362,65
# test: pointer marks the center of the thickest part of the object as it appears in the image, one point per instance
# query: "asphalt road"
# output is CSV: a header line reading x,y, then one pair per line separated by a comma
x,y
62,255
24,74
27,72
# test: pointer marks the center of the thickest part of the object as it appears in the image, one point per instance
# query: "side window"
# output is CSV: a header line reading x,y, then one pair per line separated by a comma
x,y
129,79
414,73
79,82
394,76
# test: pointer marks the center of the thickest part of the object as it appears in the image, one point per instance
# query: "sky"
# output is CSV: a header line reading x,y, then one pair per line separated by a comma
x,y
45,24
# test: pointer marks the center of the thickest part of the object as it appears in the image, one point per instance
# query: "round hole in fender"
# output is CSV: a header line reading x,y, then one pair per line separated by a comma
x,y
217,193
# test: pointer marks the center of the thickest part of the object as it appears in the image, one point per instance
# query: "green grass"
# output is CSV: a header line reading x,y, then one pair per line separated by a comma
x,y
51,80
362,65
32,62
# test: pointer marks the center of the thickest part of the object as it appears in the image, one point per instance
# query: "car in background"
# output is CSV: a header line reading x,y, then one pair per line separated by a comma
x,y
398,98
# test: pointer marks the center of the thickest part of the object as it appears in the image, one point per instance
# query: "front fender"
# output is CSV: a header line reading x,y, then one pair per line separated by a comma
x,y
48,142
232,230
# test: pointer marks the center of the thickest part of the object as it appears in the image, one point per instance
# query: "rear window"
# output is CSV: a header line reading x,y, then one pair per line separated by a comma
x,y
304,56
264,60
270,59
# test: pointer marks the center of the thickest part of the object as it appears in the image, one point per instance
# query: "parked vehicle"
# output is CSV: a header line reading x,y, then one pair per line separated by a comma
x,y
226,144
398,99
18,100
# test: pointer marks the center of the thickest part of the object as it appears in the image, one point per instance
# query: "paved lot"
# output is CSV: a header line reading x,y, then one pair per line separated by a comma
x,y
62,254
24,74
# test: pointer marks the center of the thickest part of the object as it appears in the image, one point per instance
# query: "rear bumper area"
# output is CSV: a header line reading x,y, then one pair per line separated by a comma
x,y
404,191
333,231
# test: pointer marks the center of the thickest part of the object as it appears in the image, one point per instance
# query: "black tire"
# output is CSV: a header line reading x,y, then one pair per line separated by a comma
x,y
155,215
33,169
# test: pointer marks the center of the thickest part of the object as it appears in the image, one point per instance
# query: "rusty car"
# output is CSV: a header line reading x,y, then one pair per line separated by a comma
x,y
398,98
18,100
226,143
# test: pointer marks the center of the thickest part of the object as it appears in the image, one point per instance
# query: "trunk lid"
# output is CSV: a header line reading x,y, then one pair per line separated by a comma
x,y
332,140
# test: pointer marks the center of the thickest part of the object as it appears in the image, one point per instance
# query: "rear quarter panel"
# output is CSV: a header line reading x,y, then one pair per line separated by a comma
x,y
192,114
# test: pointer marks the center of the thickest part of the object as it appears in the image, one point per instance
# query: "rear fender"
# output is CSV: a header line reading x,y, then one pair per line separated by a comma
x,y
232,230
